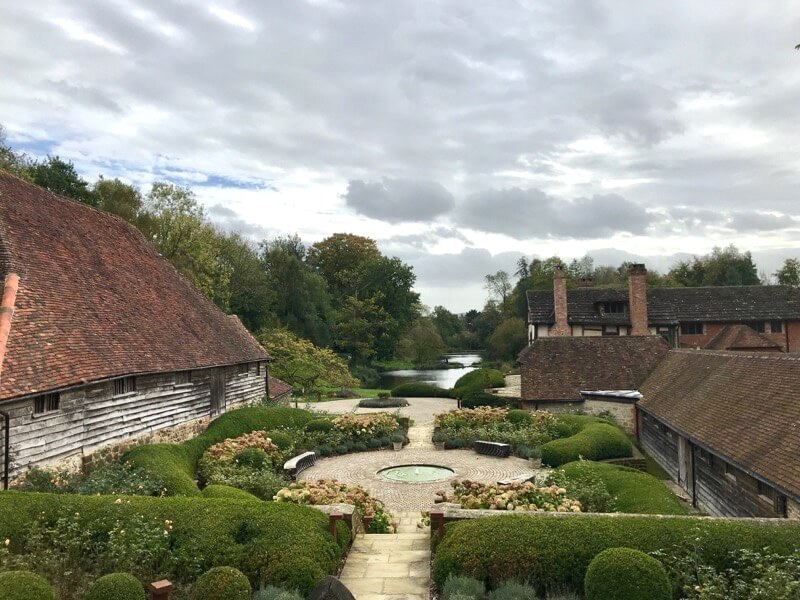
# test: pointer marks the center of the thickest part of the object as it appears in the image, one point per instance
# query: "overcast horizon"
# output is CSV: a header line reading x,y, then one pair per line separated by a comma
x,y
459,137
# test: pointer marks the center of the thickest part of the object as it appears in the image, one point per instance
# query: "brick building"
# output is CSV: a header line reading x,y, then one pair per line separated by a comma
x,y
685,317
726,427
108,343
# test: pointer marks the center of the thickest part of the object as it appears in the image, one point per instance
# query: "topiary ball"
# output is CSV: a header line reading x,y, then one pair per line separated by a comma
x,y
222,583
24,585
281,439
626,574
294,573
253,458
116,586
319,425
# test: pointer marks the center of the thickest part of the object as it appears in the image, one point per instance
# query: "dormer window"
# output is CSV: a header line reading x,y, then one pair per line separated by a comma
x,y
612,308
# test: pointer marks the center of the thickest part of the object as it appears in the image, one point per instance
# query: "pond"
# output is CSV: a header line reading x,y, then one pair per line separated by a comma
x,y
444,378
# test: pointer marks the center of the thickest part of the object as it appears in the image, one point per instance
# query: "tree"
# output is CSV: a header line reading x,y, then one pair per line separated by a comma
x,y
60,177
302,364
523,270
508,339
359,328
182,236
448,325
789,273
11,161
722,267
339,259
422,344
499,285
302,300
251,296
580,269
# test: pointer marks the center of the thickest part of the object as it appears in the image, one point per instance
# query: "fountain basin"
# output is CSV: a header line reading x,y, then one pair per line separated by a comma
x,y
415,473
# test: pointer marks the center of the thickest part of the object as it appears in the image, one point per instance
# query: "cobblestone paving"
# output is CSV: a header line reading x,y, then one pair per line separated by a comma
x,y
362,469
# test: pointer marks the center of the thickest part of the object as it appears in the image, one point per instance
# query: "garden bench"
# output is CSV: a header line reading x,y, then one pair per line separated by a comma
x,y
518,479
294,466
492,448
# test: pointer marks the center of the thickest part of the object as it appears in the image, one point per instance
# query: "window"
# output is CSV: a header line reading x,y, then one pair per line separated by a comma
x,y
766,491
730,471
610,329
124,385
707,457
776,326
46,403
183,377
258,369
243,368
614,308
779,504
757,325
691,329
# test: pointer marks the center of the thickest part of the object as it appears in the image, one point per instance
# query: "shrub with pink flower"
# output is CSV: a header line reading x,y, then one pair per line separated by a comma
x,y
515,496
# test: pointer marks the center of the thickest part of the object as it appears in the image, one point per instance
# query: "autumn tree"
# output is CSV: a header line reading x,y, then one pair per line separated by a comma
x,y
300,363
339,258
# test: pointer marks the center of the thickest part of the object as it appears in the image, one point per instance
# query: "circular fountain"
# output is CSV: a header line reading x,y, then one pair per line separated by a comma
x,y
415,473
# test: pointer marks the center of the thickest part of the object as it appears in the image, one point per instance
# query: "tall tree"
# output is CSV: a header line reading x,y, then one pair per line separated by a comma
x,y
422,344
182,236
11,161
508,339
251,296
340,258
360,326
722,267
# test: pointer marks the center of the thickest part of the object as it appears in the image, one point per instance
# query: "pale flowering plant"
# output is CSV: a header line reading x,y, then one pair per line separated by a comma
x,y
366,426
520,497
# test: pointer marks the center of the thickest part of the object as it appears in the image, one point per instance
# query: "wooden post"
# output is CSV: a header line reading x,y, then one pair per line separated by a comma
x,y
160,590
333,518
437,523
367,520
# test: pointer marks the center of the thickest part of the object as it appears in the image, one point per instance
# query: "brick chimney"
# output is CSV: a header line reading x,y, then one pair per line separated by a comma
x,y
585,282
561,328
637,299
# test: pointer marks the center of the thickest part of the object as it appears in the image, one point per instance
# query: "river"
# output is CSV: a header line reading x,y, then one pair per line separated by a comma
x,y
444,378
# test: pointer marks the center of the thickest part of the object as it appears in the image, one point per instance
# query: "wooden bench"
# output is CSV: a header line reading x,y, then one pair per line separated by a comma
x,y
492,448
518,479
294,466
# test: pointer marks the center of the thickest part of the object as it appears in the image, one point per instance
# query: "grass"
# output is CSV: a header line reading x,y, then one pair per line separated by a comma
x,y
633,491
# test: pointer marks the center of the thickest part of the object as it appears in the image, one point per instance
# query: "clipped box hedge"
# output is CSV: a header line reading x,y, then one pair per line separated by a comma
x,y
176,464
596,441
626,574
633,491
285,544
414,389
478,381
551,551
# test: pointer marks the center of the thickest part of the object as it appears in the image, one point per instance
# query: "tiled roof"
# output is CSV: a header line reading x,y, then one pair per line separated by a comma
x,y
278,388
558,368
740,337
96,300
742,406
675,305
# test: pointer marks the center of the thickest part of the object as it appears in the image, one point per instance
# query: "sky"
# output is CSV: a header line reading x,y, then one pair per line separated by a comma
x,y
458,135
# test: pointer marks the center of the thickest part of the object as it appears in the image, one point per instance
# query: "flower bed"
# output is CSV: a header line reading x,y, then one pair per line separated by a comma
x,y
513,497
330,491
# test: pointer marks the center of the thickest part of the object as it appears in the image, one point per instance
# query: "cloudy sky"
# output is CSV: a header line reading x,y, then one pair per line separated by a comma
x,y
459,135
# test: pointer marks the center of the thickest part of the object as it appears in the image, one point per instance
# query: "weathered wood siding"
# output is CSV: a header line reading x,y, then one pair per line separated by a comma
x,y
91,417
659,443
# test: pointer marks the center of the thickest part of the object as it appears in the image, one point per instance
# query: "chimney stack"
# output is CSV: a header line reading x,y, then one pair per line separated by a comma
x,y
637,299
586,282
561,328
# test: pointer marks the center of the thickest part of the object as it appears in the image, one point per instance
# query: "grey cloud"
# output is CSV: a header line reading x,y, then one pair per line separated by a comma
x,y
466,267
223,212
424,240
230,221
530,213
398,200
748,221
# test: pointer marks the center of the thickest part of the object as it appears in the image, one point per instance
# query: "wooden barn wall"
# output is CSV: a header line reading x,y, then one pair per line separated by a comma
x,y
661,445
91,417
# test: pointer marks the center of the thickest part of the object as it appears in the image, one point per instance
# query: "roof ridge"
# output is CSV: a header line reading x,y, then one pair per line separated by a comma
x,y
791,356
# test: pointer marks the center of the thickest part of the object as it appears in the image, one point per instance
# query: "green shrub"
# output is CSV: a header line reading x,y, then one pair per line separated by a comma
x,y
359,446
480,398
632,491
519,417
513,591
263,484
626,574
281,439
217,490
481,379
295,573
464,587
116,586
274,593
341,449
222,583
550,550
254,458
398,438
206,532
383,403
598,441
24,585
324,450
319,425
113,478
175,464
419,390
384,395
374,443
